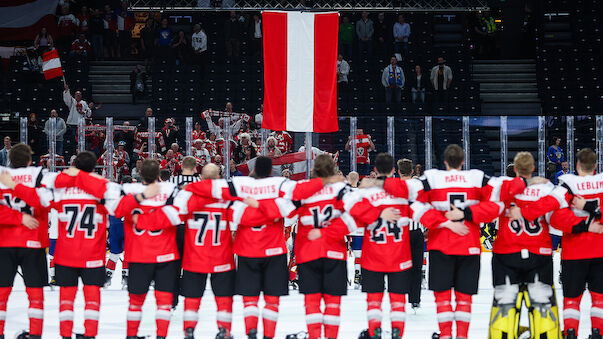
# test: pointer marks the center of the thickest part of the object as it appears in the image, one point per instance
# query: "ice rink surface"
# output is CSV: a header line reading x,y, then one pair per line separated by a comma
x,y
291,318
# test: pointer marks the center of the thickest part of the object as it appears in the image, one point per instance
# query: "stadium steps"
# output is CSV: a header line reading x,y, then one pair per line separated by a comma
x,y
110,81
506,81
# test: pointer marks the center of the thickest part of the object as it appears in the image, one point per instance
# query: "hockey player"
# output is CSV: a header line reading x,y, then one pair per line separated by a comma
x,y
386,250
82,229
356,237
261,251
24,246
522,264
454,247
578,199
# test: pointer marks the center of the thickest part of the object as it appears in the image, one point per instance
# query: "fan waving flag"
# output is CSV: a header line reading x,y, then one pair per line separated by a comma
x,y
300,71
52,65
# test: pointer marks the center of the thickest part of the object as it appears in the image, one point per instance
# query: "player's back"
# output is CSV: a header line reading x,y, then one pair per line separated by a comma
x,y
319,211
586,244
23,236
461,189
142,246
514,236
386,245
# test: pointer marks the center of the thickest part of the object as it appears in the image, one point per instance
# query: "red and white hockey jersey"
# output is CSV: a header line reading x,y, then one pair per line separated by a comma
x,y
363,147
319,211
584,245
284,142
439,190
22,236
266,240
385,246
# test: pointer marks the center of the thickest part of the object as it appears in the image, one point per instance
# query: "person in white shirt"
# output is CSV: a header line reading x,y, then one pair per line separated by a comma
x,y
256,33
218,130
392,79
441,77
61,128
77,108
343,70
199,44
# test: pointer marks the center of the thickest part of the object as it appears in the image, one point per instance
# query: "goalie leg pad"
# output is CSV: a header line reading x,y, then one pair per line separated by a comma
x,y
543,311
504,318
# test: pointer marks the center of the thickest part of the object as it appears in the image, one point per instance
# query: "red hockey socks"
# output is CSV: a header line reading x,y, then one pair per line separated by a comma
x,y
596,311
224,315
270,315
91,310
4,293
330,318
135,313
164,312
251,312
444,311
462,314
373,311
313,315
66,297
398,311
571,313
190,317
36,309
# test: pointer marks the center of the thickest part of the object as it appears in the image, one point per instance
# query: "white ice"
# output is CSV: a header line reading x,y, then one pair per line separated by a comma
x,y
291,317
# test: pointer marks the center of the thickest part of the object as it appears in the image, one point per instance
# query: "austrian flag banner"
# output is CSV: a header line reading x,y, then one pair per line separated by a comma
x,y
300,71
52,65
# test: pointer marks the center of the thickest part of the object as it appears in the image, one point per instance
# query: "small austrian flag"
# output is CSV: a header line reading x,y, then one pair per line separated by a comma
x,y
52,65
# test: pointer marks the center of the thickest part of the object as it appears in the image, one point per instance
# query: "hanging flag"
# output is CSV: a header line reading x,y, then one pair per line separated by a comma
x,y
23,19
300,71
295,163
52,65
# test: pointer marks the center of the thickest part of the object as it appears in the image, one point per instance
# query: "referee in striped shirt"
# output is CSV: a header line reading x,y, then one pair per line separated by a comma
x,y
417,244
189,172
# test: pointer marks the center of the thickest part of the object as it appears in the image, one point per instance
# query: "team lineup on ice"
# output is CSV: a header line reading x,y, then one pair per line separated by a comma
x,y
233,233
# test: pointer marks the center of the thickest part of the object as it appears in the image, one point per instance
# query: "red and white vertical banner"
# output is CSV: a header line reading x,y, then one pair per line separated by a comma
x,y
300,71
23,19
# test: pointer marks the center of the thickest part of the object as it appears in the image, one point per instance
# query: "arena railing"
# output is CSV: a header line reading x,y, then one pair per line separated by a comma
x,y
490,142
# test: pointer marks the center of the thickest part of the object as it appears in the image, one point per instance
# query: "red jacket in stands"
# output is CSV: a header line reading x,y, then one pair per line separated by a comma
x,y
386,246
363,146
319,211
581,245
209,225
266,240
82,219
439,190
19,236
284,142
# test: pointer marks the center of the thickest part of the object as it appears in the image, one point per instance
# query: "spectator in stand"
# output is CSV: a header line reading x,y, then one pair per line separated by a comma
x,y
382,38
441,77
170,132
43,41
176,149
126,136
61,128
34,134
197,132
284,142
170,162
4,160
143,122
83,20
365,31
136,171
109,32
163,40
218,161
80,47
77,108
418,84
147,40
418,171
259,117
67,26
401,34
555,154
245,150
392,79
271,150
125,23
201,152
199,44
232,35
364,145
96,30
564,170
343,70
121,153
234,171
256,35
346,37
138,82
182,48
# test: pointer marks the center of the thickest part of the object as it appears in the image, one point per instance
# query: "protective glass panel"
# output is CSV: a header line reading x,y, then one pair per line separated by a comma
x,y
523,136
